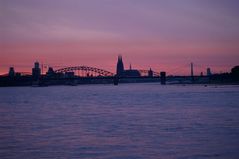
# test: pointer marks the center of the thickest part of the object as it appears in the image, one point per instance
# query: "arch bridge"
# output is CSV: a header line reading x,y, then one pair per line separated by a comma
x,y
85,71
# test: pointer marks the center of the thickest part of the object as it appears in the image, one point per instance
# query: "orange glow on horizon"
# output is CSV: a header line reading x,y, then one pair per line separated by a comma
x,y
158,55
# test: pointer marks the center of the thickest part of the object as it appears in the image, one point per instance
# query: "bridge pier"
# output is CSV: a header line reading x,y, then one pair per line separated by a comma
x,y
163,78
116,80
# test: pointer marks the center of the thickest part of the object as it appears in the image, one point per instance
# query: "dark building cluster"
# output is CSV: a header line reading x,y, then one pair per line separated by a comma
x,y
121,72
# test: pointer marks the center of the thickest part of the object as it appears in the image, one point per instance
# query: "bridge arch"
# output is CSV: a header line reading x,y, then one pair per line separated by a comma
x,y
85,71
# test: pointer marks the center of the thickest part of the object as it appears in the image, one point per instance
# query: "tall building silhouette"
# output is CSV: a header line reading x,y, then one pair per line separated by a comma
x,y
36,71
120,66
209,72
11,72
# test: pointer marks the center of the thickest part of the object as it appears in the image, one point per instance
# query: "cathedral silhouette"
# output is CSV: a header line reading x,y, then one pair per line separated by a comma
x,y
121,72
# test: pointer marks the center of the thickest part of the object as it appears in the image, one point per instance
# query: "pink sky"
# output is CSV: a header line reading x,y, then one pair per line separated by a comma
x,y
165,35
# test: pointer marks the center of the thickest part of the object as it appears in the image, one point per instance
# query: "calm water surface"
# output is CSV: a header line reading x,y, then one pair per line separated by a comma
x,y
129,121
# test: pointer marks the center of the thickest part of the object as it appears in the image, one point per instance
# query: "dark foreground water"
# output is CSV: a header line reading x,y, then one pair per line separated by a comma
x,y
130,121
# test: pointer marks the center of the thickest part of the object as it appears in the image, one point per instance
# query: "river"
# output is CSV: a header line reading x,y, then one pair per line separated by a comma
x,y
128,121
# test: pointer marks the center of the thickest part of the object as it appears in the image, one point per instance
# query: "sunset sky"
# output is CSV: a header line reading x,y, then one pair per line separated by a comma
x,y
165,35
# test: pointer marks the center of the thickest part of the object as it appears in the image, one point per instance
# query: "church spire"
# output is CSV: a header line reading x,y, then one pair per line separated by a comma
x,y
120,66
